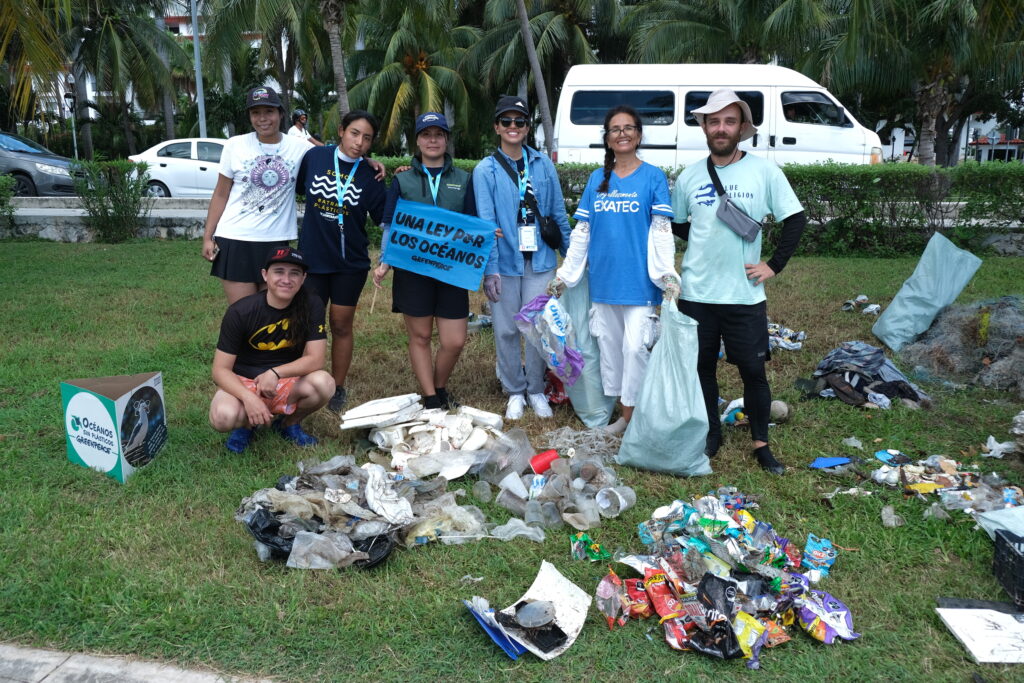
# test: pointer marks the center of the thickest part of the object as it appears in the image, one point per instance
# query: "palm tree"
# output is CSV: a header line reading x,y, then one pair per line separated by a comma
x,y
935,49
558,35
414,69
29,45
120,46
334,23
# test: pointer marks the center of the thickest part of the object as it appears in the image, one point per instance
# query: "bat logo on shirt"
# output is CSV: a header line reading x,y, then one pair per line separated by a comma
x,y
706,191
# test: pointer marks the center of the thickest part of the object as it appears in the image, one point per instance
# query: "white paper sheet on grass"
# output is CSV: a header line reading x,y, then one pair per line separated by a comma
x,y
571,605
991,637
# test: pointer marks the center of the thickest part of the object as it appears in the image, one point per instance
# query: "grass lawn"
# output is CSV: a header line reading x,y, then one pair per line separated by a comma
x,y
159,569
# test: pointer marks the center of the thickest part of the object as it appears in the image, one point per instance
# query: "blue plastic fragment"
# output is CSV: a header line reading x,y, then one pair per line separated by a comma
x,y
822,463
510,647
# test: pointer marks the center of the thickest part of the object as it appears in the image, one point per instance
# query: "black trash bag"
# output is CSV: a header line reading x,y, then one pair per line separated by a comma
x,y
377,547
717,639
264,526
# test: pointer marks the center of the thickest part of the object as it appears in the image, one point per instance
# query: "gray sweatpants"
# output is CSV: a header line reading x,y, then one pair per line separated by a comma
x,y
516,292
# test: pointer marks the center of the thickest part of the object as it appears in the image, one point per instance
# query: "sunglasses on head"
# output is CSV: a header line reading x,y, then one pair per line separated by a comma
x,y
507,121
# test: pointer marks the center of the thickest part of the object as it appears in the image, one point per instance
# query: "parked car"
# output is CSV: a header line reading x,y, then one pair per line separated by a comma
x,y
186,167
798,120
37,171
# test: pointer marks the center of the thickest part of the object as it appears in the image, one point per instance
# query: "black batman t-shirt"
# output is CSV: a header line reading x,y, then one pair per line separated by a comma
x,y
256,333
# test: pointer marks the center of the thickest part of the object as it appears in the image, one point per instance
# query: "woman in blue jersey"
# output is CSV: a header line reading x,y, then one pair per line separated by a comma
x,y
341,190
624,236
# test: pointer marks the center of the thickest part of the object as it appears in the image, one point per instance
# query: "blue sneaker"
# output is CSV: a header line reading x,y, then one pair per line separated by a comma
x,y
239,439
295,434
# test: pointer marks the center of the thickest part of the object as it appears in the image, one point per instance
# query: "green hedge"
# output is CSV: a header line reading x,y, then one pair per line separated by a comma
x,y
880,210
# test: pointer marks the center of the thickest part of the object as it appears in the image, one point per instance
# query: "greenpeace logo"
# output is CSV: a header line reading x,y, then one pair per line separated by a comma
x,y
76,422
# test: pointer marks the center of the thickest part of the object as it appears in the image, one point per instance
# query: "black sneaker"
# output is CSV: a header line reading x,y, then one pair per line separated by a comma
x,y
433,402
712,444
447,400
767,461
337,401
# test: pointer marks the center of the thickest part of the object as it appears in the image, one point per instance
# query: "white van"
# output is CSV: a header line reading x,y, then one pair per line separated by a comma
x,y
798,121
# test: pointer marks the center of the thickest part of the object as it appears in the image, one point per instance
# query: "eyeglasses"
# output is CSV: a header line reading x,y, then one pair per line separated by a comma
x,y
519,122
628,130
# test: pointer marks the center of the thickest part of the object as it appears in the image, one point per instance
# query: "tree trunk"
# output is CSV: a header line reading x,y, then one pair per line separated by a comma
x,y
929,105
167,101
538,76
81,110
126,123
229,83
334,19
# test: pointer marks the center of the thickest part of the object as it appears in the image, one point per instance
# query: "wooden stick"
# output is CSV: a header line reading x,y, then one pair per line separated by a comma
x,y
373,301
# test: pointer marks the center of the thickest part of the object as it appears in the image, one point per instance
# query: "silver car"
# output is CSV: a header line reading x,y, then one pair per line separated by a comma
x,y
37,171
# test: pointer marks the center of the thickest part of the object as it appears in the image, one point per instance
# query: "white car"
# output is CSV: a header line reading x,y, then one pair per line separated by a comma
x,y
187,167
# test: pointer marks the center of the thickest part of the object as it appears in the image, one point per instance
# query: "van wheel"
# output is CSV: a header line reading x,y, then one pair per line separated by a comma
x,y
23,186
157,189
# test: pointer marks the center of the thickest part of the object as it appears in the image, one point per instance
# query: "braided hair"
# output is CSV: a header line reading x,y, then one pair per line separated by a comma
x,y
609,155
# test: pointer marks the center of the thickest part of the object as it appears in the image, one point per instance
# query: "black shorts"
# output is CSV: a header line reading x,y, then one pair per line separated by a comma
x,y
419,296
340,289
743,328
241,261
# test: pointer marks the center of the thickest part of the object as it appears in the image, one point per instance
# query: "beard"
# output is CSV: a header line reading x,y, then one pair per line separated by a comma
x,y
723,145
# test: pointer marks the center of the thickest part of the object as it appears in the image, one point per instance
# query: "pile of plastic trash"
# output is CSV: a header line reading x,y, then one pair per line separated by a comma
x,y
859,374
781,337
335,513
722,583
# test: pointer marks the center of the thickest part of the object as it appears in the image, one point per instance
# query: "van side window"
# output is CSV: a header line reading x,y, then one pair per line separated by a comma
x,y
695,99
656,107
814,108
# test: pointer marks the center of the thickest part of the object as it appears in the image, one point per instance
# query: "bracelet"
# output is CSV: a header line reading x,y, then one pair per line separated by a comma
x,y
275,373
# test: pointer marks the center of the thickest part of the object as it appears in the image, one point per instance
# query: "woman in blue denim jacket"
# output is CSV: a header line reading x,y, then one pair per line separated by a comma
x,y
521,263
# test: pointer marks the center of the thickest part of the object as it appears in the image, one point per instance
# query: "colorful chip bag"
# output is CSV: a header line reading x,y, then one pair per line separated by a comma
x,y
825,618
612,600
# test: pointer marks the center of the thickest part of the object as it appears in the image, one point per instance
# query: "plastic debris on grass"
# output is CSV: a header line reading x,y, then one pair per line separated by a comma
x,y
781,337
545,621
724,583
859,374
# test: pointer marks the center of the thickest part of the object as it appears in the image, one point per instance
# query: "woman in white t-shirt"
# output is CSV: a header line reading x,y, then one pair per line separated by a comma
x,y
253,204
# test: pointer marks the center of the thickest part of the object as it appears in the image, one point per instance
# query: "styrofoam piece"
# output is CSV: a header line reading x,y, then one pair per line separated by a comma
x,y
482,418
381,406
387,437
570,602
459,427
403,415
476,440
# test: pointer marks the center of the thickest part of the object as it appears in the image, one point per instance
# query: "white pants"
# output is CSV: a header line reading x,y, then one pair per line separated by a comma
x,y
620,332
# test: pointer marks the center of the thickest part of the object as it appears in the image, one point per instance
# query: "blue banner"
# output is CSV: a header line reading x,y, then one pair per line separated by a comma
x,y
445,245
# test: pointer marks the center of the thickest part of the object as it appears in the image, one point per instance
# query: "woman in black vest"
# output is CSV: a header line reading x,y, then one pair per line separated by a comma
x,y
433,179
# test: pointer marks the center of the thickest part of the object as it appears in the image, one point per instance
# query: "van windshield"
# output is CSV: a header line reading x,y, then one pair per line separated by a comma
x,y
813,107
656,107
695,99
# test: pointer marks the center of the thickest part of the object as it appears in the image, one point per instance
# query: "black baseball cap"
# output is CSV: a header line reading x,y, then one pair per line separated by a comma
x,y
263,97
286,255
511,103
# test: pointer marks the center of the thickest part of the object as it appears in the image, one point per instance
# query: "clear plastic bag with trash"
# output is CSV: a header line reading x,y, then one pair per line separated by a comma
x,y
546,325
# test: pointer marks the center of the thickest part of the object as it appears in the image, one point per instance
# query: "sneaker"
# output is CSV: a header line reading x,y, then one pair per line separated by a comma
x,y
295,434
767,461
447,400
433,402
516,406
239,439
712,444
337,401
540,405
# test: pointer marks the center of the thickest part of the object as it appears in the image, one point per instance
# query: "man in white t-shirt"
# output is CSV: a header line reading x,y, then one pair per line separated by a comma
x,y
723,274
298,128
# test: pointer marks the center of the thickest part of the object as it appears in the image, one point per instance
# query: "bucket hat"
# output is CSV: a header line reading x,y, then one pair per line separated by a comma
x,y
719,100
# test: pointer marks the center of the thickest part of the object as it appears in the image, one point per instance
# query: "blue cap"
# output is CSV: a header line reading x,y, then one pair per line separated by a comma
x,y
430,119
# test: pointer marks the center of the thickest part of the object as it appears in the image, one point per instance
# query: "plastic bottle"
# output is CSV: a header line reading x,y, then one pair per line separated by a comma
x,y
533,515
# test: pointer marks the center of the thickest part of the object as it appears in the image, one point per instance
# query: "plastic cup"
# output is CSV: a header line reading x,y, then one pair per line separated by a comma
x,y
511,502
612,502
542,461
514,485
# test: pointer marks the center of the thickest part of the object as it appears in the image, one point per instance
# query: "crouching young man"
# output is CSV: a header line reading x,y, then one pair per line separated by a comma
x,y
270,357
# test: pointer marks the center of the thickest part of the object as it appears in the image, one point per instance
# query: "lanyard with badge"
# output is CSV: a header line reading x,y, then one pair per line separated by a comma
x,y
341,190
527,230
